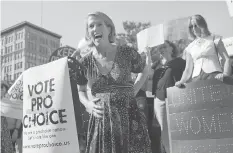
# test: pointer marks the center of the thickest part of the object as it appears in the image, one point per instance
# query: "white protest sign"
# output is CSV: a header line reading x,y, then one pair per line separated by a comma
x,y
15,93
150,37
48,113
228,43
12,104
142,40
230,7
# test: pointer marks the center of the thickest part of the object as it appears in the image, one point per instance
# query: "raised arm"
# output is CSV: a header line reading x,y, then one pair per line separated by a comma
x,y
141,78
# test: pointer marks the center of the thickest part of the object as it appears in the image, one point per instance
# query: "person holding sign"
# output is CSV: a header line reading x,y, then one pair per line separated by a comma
x,y
202,60
166,72
116,124
6,142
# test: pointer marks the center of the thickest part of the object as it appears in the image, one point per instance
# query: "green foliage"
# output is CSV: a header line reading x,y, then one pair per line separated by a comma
x,y
131,29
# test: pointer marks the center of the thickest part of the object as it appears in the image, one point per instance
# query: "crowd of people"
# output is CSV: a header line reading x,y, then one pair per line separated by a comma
x,y
201,61
117,76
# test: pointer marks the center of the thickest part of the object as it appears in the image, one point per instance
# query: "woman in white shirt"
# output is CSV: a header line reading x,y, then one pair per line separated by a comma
x,y
202,61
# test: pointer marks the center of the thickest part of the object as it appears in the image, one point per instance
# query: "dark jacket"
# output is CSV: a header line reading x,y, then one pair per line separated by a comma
x,y
166,76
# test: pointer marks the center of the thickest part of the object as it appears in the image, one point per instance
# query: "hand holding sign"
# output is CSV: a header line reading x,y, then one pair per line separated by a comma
x,y
148,55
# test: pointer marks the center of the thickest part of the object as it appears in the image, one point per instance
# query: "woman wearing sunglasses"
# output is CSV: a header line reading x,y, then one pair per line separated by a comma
x,y
202,61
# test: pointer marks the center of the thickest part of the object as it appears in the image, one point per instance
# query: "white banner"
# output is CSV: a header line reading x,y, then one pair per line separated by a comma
x,y
48,113
228,43
175,31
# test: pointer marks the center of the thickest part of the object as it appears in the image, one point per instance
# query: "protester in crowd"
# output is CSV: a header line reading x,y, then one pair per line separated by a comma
x,y
15,127
167,71
116,124
202,61
139,79
6,141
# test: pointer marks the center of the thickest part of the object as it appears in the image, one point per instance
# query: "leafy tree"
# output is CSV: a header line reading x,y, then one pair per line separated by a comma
x,y
131,29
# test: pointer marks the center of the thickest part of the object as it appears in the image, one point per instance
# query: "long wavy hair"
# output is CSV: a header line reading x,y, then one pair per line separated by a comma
x,y
201,23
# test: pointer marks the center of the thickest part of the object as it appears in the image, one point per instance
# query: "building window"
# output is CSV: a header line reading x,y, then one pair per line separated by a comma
x,y
19,35
9,39
34,57
18,65
31,45
31,56
22,35
9,77
11,48
19,46
16,75
42,40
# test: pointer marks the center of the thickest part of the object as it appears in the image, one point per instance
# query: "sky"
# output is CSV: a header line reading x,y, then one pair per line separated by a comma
x,y
67,18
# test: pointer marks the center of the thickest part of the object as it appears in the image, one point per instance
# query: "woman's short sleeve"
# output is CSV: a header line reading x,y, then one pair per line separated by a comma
x,y
81,72
137,63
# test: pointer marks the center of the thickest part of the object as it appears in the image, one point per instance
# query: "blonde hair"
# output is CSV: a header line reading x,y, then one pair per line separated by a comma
x,y
201,23
107,21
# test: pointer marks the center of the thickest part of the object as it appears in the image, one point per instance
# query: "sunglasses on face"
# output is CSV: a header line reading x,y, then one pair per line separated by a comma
x,y
191,26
